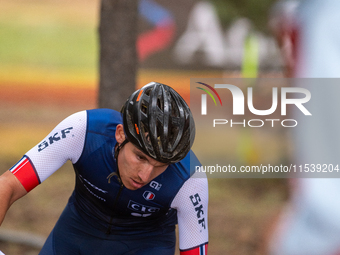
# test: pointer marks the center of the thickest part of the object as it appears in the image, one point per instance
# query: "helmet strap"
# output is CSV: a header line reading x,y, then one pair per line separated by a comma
x,y
118,147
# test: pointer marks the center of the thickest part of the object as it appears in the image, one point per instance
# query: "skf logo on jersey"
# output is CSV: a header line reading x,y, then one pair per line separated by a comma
x,y
196,201
148,195
157,186
54,138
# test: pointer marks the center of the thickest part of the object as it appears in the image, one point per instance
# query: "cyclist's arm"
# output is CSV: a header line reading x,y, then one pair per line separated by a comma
x,y
65,142
191,203
10,191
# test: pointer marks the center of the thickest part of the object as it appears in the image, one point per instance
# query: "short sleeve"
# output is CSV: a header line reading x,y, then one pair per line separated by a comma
x,y
191,203
65,142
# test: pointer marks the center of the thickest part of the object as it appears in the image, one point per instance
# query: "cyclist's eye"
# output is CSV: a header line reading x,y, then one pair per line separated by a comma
x,y
139,157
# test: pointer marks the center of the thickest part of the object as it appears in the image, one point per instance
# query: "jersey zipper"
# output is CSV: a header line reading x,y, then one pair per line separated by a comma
x,y
114,207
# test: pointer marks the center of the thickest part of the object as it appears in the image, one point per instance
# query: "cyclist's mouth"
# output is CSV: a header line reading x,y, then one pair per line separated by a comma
x,y
136,184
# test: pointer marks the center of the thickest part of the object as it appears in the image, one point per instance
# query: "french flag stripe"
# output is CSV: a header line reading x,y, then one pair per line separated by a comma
x,y
25,172
19,165
200,250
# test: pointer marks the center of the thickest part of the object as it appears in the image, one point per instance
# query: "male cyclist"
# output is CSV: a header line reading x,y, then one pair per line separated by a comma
x,y
134,179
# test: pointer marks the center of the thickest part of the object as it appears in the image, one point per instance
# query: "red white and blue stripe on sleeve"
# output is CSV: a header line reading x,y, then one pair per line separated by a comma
x,y
64,142
26,173
199,250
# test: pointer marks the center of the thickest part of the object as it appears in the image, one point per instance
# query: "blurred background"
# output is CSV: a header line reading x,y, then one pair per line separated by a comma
x,y
49,69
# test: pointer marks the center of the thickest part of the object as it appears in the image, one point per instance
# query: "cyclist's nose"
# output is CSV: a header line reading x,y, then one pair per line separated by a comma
x,y
145,173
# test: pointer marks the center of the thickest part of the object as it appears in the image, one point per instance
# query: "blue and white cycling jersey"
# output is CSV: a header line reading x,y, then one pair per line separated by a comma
x,y
87,138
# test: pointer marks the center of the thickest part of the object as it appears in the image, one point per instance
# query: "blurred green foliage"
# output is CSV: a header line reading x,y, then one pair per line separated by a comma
x,y
257,11
58,45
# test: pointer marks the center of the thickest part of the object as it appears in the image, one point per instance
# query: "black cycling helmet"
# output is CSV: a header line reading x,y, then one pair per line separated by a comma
x,y
159,122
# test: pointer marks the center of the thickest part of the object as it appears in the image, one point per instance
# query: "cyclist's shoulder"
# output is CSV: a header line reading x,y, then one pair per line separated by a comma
x,y
186,167
104,114
103,120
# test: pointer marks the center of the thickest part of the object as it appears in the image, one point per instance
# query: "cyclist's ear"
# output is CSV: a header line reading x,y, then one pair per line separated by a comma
x,y
120,135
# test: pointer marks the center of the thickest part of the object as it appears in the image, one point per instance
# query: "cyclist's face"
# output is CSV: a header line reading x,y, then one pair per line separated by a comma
x,y
136,168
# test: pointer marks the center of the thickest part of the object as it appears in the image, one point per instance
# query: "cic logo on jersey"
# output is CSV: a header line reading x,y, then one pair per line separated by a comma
x,y
288,96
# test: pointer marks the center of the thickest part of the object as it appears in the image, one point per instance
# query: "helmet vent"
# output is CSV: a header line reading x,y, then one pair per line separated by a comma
x,y
144,108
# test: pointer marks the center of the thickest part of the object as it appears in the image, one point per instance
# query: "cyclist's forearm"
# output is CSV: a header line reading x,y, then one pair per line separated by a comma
x,y
5,204
5,198
10,191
